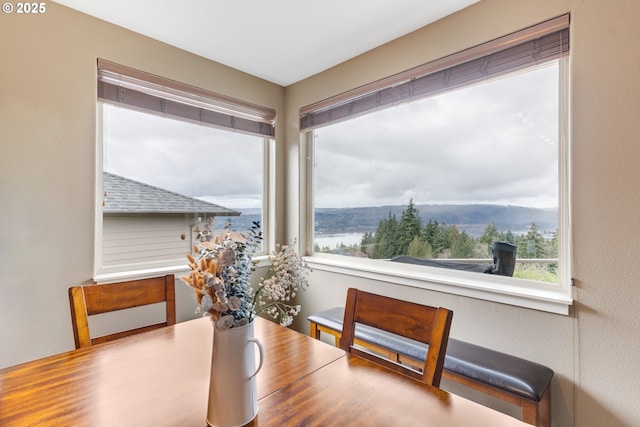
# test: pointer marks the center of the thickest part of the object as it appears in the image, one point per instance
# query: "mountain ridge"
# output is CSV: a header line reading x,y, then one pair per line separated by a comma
x,y
472,218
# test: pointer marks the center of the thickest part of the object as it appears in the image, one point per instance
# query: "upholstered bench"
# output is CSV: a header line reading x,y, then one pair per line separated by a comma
x,y
509,378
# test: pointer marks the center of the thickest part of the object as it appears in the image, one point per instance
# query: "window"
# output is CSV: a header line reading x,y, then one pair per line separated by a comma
x,y
164,173
448,173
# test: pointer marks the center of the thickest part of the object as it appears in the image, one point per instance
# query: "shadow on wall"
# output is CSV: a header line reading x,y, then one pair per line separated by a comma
x,y
591,413
562,405
562,402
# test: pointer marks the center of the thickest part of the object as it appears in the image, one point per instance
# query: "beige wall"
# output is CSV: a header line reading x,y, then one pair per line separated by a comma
x,y
47,166
47,133
594,351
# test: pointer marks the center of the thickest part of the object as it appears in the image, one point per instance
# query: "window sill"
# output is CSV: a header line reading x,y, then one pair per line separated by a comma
x,y
518,292
136,272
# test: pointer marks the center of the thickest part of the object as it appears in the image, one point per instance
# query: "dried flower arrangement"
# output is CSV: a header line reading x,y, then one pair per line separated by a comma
x,y
220,274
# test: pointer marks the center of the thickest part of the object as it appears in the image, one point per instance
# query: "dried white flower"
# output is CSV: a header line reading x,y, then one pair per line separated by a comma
x,y
221,271
225,322
234,303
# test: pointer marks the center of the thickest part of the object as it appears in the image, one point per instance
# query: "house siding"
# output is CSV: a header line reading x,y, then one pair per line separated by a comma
x,y
131,239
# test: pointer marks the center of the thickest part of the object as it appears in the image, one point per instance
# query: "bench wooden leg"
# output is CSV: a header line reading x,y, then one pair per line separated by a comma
x,y
313,330
530,412
538,413
544,409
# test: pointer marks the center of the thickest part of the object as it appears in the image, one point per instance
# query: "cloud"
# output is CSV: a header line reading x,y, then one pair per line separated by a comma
x,y
186,158
491,143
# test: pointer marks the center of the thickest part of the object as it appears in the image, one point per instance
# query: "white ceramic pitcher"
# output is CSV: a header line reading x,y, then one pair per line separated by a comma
x,y
233,398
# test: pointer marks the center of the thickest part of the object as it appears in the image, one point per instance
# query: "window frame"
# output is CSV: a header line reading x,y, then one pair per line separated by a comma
x,y
102,274
554,298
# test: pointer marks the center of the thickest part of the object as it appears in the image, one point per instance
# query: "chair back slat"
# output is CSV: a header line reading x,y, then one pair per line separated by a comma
x,y
429,325
396,316
120,296
89,300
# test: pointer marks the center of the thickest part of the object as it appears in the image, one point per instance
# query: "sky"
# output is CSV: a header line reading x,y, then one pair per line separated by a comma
x,y
491,143
218,166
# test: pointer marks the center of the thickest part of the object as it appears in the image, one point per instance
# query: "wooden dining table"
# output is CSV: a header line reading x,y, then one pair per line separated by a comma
x,y
161,378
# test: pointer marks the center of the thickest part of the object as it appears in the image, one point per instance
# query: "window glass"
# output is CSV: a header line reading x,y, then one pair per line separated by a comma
x,y
446,177
211,171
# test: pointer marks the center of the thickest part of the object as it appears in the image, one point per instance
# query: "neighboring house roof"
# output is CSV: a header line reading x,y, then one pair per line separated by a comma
x,y
124,195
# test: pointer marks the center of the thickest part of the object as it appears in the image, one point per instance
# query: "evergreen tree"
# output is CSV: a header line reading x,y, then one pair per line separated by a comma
x,y
509,237
553,250
532,244
443,238
430,232
409,228
489,236
367,243
420,248
462,246
386,238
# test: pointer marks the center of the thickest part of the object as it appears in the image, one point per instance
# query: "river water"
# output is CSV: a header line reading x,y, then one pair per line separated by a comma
x,y
333,241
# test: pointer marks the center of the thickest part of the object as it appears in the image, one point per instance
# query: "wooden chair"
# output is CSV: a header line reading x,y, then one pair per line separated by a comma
x,y
429,325
88,300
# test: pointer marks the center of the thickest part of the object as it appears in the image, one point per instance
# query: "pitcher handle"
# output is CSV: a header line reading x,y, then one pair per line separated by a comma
x,y
261,350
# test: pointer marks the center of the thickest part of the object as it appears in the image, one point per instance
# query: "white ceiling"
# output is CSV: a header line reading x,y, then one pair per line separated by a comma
x,y
282,41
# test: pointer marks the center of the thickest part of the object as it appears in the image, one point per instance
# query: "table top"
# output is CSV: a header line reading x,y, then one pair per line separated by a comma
x,y
354,392
161,378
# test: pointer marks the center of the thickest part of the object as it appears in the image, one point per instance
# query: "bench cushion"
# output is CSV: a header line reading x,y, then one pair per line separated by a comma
x,y
513,374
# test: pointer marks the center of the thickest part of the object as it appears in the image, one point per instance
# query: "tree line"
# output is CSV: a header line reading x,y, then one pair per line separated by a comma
x,y
433,239
409,236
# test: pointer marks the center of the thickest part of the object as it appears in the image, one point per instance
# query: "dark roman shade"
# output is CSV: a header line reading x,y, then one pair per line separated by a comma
x,y
149,93
532,46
